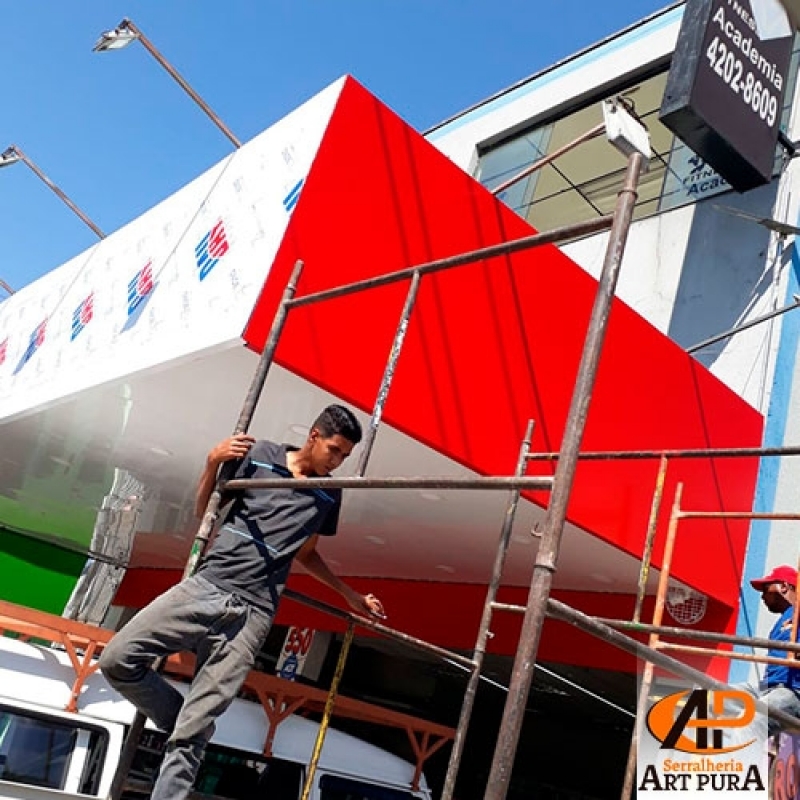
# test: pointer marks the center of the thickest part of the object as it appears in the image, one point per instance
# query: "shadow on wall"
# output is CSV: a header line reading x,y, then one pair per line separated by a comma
x,y
725,271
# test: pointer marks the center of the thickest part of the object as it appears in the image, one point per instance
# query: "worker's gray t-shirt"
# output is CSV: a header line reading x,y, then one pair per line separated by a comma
x,y
253,551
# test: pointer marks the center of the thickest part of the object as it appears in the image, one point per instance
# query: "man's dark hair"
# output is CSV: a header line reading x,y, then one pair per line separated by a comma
x,y
339,420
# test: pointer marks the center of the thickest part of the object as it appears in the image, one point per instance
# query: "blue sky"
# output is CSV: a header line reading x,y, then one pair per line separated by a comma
x,y
118,135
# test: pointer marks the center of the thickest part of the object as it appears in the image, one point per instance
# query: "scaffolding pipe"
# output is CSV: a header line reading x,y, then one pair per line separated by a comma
x,y
565,613
327,713
547,555
490,482
647,674
704,636
468,701
729,654
650,537
744,326
364,622
470,257
388,374
713,452
550,157
776,515
212,508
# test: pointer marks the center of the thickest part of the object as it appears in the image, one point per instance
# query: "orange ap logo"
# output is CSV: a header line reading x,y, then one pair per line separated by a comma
x,y
698,726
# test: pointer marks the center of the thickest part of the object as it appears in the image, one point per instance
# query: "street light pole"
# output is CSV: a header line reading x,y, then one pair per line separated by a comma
x,y
125,33
13,154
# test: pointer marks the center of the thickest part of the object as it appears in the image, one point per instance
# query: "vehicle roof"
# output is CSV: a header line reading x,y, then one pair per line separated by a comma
x,y
43,677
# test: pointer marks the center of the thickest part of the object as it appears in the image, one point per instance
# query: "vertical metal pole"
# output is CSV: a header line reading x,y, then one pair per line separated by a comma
x,y
366,452
647,672
647,553
245,418
326,716
483,631
388,374
212,508
547,556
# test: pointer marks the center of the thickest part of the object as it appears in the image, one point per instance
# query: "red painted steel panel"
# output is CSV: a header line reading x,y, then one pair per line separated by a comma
x,y
449,614
495,343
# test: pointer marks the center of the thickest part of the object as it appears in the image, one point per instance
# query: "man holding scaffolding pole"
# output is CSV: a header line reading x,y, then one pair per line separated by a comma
x,y
780,685
224,611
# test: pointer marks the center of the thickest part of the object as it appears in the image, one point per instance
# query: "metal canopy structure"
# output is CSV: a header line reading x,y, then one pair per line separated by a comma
x,y
540,604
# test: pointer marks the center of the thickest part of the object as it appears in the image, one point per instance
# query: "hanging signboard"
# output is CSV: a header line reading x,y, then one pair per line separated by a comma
x,y
726,85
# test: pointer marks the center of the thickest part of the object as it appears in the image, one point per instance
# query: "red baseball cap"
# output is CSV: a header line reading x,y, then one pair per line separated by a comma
x,y
782,574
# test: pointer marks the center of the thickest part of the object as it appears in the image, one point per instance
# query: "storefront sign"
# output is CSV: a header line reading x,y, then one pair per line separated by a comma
x,y
726,85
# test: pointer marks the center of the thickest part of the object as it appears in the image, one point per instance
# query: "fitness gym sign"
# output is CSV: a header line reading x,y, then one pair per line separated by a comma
x,y
726,85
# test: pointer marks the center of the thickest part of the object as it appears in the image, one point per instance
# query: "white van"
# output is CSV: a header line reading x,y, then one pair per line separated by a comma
x,y
47,753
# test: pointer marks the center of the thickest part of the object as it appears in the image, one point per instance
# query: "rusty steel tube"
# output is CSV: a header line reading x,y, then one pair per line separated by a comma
x,y
565,613
647,673
388,374
550,157
483,631
552,530
652,525
711,452
492,482
212,508
384,630
470,257
688,633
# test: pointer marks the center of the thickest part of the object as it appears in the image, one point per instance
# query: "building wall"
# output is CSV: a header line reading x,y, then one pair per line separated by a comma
x,y
693,271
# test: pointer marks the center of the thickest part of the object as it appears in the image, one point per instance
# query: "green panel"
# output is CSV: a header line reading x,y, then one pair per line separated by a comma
x,y
37,574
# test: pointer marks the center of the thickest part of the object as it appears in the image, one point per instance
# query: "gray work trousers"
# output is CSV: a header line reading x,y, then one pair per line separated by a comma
x,y
224,631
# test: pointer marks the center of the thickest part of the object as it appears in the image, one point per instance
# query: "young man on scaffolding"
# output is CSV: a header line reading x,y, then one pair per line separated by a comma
x,y
780,685
224,611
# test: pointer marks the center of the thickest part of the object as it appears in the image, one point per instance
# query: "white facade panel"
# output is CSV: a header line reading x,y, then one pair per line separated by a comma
x,y
181,278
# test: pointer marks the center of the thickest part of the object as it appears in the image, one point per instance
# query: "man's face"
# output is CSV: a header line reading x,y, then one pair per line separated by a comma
x,y
774,598
328,452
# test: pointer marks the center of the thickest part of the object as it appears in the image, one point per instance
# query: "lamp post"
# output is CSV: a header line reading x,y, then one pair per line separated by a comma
x,y
13,155
127,32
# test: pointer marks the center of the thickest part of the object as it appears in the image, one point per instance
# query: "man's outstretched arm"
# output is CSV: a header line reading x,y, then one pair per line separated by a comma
x,y
312,562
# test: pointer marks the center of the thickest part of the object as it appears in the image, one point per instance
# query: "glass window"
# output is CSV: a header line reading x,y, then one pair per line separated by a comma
x,y
585,181
333,788
37,750
224,772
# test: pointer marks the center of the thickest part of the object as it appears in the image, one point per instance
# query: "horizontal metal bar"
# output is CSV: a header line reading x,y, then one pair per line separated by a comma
x,y
711,452
591,626
698,635
743,327
777,515
493,482
515,609
365,622
502,249
729,654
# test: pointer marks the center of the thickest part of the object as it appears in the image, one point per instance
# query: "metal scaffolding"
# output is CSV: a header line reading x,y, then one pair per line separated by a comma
x,y
539,604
